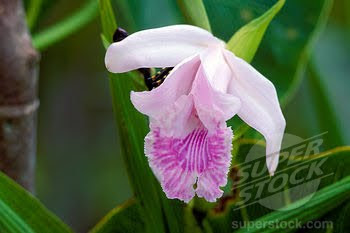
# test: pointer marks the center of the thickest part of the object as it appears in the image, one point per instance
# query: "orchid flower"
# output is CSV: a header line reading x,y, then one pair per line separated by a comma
x,y
189,144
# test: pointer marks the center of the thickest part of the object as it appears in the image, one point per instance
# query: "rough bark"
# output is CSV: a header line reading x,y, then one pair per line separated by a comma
x,y
18,101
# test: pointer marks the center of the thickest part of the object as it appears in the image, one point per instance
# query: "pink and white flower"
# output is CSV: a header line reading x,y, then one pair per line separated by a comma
x,y
189,142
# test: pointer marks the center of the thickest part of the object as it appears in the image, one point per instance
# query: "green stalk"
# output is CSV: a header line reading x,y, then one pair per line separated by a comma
x,y
33,12
68,26
157,212
195,13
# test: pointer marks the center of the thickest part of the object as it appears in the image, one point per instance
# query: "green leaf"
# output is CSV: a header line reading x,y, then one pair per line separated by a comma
x,y
127,218
195,13
137,15
109,25
339,218
133,128
324,200
338,162
21,212
325,7
157,211
322,104
124,219
327,82
105,41
66,27
33,12
126,16
245,42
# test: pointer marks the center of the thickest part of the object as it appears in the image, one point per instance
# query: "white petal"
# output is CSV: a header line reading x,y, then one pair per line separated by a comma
x,y
160,47
216,69
259,105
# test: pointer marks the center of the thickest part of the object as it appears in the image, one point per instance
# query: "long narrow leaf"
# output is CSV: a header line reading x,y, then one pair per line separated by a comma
x,y
33,12
125,218
246,40
194,12
133,127
322,104
61,30
305,55
324,200
21,212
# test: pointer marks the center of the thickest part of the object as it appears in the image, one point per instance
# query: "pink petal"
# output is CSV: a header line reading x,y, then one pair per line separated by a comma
x,y
178,82
178,119
160,47
215,174
259,105
213,107
199,156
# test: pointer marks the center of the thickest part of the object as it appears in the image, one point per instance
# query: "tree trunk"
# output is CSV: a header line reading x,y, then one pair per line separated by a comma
x,y
18,91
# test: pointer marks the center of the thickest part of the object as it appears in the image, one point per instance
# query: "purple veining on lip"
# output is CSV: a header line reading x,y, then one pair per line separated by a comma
x,y
179,162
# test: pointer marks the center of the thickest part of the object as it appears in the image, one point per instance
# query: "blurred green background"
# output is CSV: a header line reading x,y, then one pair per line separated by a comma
x,y
80,172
